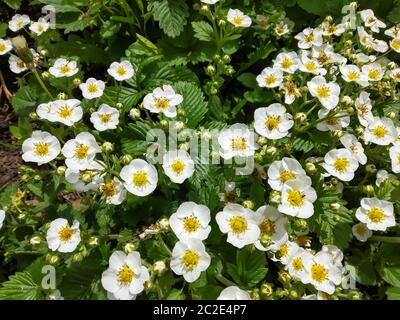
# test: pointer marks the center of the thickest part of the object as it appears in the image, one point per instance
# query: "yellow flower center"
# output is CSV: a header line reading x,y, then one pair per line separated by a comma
x,y
125,275
239,144
331,29
332,121
295,198
109,189
341,164
20,64
105,117
361,230
162,104
319,273
177,166
82,151
92,87
65,112
41,149
190,259
267,227
286,176
375,215
297,264
191,224
310,66
2,47
20,23
140,179
272,122
379,132
121,71
40,28
286,63
396,44
270,79
65,234
238,224
309,38
284,250
362,108
65,69
323,92
373,74
238,20
353,75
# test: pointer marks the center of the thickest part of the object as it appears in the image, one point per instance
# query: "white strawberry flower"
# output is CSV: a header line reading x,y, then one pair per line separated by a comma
x,y
39,27
16,64
369,19
93,171
178,165
63,68
361,58
67,112
285,251
191,221
125,276
322,273
298,197
281,28
233,293
163,100
395,44
114,191
189,259
62,237
2,217
309,37
5,46
326,92
393,32
237,140
365,38
330,29
325,54
105,118
273,224
41,147
363,106
379,45
376,214
287,61
270,78
310,65
209,1
341,164
140,178
352,73
241,225
394,74
291,91
121,71
361,232
18,21
284,170
373,71
92,88
380,131
238,18
338,122
351,143
394,153
80,152
273,122
297,262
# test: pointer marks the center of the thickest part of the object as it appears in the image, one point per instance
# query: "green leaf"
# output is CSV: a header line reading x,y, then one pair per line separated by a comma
x,y
364,268
171,15
13,4
250,268
203,31
393,293
193,102
394,14
21,286
25,100
391,275
322,8
248,79
3,29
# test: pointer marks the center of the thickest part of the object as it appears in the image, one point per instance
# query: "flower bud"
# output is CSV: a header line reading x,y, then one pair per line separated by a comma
x,y
370,168
300,224
262,141
204,8
266,290
221,23
311,168
62,96
270,150
210,70
87,177
255,294
35,240
45,75
126,159
159,267
369,189
21,216
77,257
348,101
338,133
129,247
248,204
53,259
119,105
328,19
33,115
391,115
134,114
275,197
93,241
164,124
300,117
107,147
226,58
163,223
335,206
181,111
179,125
265,240
76,82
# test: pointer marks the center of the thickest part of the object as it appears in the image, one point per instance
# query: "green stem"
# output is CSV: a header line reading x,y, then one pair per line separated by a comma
x,y
42,83
386,239
164,244
224,280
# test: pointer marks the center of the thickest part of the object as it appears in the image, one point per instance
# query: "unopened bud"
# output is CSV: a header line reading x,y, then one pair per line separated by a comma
x,y
159,267
300,117
368,189
76,82
126,159
45,75
119,105
134,114
210,70
371,168
107,147
164,124
275,197
311,168
93,241
35,240
129,247
62,96
248,204
163,223
33,116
